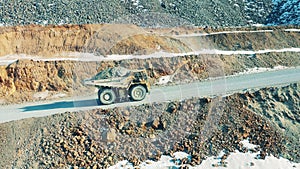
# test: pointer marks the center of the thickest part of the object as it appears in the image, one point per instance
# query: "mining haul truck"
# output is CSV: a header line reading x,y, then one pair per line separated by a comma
x,y
120,84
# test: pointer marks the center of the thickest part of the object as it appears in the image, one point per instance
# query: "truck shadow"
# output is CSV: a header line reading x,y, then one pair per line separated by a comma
x,y
61,105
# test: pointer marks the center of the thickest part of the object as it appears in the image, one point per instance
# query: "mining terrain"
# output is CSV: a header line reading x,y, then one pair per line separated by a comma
x,y
202,127
48,48
47,62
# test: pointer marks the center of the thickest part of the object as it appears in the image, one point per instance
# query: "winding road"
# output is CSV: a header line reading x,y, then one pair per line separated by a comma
x,y
221,86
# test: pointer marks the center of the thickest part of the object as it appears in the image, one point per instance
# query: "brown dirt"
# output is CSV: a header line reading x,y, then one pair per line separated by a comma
x,y
49,41
136,133
147,44
20,80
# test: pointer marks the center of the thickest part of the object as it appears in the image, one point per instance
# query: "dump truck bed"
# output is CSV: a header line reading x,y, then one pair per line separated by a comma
x,y
120,82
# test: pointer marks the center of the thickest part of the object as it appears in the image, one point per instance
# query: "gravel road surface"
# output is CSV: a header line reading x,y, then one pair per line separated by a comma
x,y
212,87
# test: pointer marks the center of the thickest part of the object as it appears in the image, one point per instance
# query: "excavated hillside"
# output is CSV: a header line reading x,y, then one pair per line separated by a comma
x,y
27,80
51,41
57,41
99,138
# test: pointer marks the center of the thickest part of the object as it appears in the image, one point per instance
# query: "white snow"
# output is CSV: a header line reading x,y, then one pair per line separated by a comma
x,y
248,145
258,25
181,155
164,79
239,160
235,160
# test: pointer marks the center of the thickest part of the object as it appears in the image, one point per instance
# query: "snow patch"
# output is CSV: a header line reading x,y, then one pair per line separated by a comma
x,y
235,160
164,80
239,160
182,155
258,25
248,145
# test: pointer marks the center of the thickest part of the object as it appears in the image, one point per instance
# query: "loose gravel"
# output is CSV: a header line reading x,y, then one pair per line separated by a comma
x,y
164,13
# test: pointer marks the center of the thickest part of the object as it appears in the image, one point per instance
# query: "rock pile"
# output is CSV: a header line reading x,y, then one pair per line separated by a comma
x,y
281,106
162,13
200,127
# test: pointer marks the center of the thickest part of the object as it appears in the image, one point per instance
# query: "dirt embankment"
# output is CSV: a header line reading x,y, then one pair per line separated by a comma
x,y
278,39
99,138
52,41
21,80
247,38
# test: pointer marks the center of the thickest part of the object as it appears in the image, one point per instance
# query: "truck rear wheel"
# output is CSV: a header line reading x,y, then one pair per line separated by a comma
x,y
138,93
106,96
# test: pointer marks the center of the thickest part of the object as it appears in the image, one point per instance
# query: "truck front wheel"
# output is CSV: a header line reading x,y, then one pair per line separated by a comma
x,y
138,93
106,96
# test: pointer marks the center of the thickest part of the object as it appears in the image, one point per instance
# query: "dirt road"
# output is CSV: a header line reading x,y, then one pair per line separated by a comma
x,y
220,86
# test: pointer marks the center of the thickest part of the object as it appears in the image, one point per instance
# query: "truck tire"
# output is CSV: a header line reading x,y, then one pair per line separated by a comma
x,y
106,96
138,93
